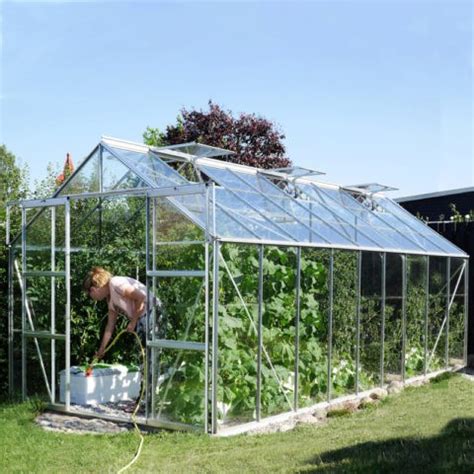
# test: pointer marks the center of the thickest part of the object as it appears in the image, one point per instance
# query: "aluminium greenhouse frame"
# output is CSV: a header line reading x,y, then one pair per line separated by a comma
x,y
213,263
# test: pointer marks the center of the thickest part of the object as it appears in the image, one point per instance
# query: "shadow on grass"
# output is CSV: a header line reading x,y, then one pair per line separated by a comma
x,y
451,451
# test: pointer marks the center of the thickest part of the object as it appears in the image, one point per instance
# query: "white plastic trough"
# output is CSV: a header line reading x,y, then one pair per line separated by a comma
x,y
111,384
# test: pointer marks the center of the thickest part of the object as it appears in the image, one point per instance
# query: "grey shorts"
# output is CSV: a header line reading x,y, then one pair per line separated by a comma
x,y
140,329
142,322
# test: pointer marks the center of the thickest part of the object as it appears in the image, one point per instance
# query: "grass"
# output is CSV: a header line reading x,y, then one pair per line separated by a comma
x,y
425,429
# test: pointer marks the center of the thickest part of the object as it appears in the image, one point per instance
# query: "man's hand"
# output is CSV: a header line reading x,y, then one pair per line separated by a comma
x,y
131,326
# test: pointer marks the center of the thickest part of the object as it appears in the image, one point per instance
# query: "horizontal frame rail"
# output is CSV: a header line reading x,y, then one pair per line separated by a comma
x,y
180,345
45,335
33,203
176,273
39,273
180,190
180,242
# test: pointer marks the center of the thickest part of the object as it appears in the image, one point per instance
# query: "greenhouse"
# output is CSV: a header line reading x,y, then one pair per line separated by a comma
x,y
278,291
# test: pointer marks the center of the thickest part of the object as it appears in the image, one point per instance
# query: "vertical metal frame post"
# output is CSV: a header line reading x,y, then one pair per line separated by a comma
x,y
215,313
258,408
7,224
101,189
330,321
148,289
466,308
152,352
101,169
427,313
53,304
10,304
358,297
206,311
448,297
404,313
297,326
383,295
67,266
23,303
215,330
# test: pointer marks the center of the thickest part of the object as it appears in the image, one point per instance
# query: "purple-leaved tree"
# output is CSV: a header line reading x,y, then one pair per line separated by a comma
x,y
255,140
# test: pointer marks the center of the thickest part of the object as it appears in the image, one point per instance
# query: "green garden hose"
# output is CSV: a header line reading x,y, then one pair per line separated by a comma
x,y
134,413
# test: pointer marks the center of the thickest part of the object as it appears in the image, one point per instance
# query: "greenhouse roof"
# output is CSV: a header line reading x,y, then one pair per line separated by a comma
x,y
282,206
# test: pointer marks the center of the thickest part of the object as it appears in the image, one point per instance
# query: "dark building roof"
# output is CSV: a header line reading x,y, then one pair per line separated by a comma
x,y
437,206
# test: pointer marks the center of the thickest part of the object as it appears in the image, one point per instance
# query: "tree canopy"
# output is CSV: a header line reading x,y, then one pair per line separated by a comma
x,y
255,140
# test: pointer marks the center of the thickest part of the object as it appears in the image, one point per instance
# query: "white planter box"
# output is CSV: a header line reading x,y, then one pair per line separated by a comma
x,y
111,384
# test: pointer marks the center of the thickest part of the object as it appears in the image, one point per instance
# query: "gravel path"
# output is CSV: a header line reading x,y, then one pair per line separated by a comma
x,y
68,423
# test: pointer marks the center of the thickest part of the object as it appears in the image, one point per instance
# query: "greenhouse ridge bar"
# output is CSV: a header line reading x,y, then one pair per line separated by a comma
x,y
278,291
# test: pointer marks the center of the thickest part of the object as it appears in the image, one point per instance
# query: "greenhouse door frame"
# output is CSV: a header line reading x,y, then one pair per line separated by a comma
x,y
22,274
154,344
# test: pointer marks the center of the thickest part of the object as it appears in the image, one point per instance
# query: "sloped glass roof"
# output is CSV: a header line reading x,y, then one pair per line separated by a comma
x,y
252,206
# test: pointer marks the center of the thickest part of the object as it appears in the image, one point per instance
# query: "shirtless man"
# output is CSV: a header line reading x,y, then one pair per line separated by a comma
x,y
124,295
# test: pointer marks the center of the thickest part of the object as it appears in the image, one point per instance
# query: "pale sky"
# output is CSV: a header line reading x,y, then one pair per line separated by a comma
x,y
366,91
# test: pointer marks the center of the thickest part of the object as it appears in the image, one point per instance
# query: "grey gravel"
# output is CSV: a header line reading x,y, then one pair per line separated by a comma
x,y
73,424
68,423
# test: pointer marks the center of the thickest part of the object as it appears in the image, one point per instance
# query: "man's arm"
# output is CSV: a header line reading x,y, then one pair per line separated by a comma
x,y
140,305
109,330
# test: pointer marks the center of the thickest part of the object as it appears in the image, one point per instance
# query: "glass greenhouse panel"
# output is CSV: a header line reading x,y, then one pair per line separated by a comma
x,y
457,320
194,149
314,327
38,368
195,205
39,243
370,346
355,233
238,334
437,335
171,225
291,219
45,297
86,178
416,312
122,221
393,341
279,316
235,218
85,224
457,332
343,360
183,312
178,390
39,303
342,218
16,284
16,321
149,167
116,175
42,377
314,221
360,217
16,363
415,229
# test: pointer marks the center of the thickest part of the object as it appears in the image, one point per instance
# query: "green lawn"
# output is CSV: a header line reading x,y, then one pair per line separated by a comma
x,y
426,429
